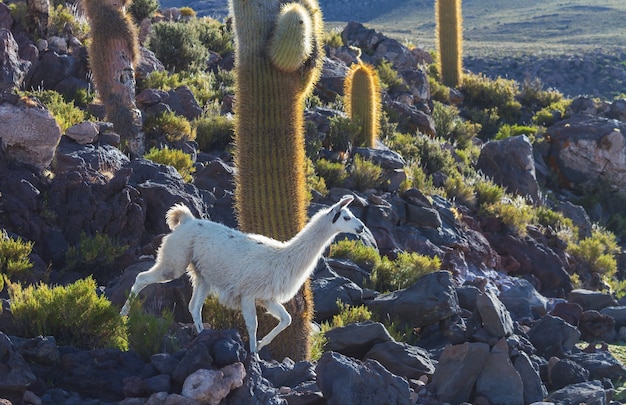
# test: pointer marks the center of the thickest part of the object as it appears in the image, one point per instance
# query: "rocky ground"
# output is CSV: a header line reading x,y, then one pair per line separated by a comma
x,y
500,323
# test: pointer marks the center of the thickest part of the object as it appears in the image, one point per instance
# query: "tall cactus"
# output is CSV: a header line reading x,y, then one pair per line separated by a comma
x,y
113,55
278,59
450,40
362,102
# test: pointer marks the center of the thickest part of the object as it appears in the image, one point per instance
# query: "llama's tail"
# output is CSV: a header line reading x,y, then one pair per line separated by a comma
x,y
176,215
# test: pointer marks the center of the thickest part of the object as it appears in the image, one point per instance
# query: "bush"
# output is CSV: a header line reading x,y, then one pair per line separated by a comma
x,y
333,173
341,134
175,128
65,113
214,35
221,317
93,254
389,77
74,314
488,192
213,131
365,173
177,45
14,258
148,334
548,115
364,256
596,253
406,269
333,38
514,212
508,131
63,19
313,181
141,9
173,157
458,189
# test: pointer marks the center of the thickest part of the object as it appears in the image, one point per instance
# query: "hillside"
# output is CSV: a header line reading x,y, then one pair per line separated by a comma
x,y
551,40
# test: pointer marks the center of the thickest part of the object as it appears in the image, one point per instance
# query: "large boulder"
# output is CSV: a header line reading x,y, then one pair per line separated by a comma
x,y
29,134
587,149
518,174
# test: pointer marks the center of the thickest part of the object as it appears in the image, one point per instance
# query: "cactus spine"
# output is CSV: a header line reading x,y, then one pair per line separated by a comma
x,y
278,59
362,101
113,55
450,40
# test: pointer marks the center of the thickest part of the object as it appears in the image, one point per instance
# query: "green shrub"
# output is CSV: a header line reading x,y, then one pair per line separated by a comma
x,y
65,113
63,19
488,192
14,258
214,35
187,12
535,97
149,334
365,173
176,158
364,256
18,12
333,173
341,134
333,38
93,253
175,128
221,317
514,212
546,116
557,222
444,117
459,189
389,77
141,9
596,253
313,181
417,178
438,92
177,45
74,314
433,157
213,131
508,131
406,269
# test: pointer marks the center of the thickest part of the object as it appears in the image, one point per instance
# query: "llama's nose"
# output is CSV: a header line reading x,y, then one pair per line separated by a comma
x,y
360,229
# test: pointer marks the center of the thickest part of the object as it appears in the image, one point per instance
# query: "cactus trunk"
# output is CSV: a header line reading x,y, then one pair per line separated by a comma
x,y
113,54
362,100
450,40
278,58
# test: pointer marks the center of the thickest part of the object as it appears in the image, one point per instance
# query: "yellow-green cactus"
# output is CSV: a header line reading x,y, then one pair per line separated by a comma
x,y
278,59
113,55
362,102
450,40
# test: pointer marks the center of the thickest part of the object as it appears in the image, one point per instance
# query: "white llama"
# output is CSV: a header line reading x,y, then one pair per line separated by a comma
x,y
243,269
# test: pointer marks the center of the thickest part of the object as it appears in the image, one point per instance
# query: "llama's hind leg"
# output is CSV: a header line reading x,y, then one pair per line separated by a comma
x,y
200,292
279,312
159,273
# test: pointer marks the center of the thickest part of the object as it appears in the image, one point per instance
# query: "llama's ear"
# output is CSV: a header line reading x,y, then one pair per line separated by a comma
x,y
345,200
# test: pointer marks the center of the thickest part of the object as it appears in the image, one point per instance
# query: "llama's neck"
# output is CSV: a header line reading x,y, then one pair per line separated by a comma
x,y
307,246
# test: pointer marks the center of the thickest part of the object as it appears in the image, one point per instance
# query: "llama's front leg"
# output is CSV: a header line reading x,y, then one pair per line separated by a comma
x,y
279,312
142,280
248,310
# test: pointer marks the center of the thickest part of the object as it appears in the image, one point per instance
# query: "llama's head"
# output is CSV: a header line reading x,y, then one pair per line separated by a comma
x,y
342,219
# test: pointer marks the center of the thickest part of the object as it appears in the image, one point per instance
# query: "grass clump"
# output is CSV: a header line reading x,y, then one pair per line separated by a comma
x,y
14,258
213,131
173,127
148,334
176,158
364,256
406,269
514,212
74,314
596,253
63,19
365,174
333,173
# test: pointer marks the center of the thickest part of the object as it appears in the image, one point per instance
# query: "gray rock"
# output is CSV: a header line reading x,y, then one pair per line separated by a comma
x,y
212,386
385,158
591,300
327,291
256,390
596,327
459,367
552,336
518,175
165,363
350,270
522,288
195,358
13,69
343,380
495,317
591,393
402,359
566,372
40,350
158,383
601,364
356,339
534,390
30,135
587,149
287,373
15,374
618,313
431,299
498,380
